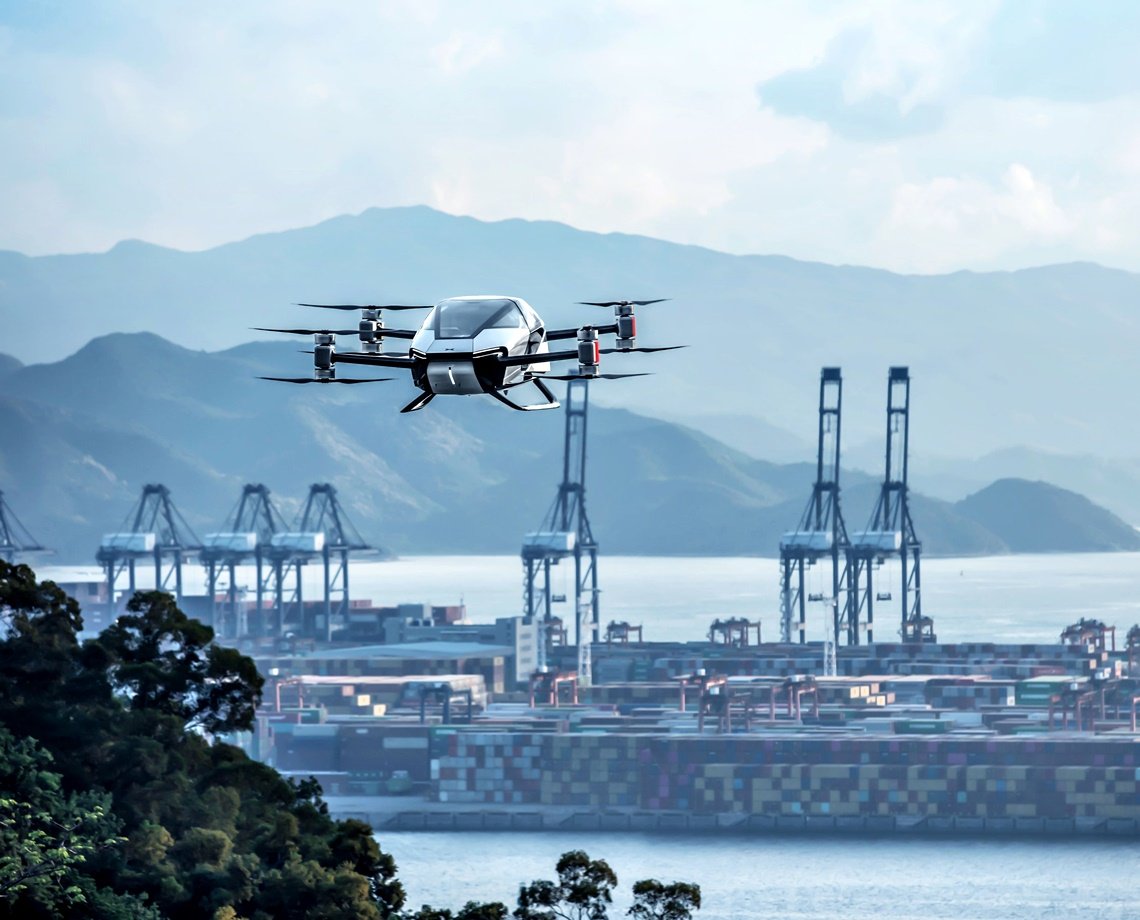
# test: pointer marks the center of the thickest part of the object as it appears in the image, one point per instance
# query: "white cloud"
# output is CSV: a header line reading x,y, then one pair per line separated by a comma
x,y
968,216
194,126
462,52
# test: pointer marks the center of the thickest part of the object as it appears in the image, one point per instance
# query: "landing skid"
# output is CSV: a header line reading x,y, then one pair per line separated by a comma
x,y
419,402
551,402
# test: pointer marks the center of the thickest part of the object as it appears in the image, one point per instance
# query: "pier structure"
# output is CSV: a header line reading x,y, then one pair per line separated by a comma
x,y
820,535
15,539
889,534
154,530
565,533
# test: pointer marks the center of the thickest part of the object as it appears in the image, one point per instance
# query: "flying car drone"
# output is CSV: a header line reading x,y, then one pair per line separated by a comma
x,y
470,345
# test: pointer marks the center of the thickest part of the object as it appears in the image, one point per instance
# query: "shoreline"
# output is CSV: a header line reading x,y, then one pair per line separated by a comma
x,y
411,814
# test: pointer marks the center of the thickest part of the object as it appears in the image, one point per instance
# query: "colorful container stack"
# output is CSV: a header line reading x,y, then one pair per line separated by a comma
x,y
1038,691
490,768
969,693
365,750
900,776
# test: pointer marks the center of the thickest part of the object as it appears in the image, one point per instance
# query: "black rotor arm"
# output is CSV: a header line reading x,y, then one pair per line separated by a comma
x,y
407,362
556,334
537,358
380,333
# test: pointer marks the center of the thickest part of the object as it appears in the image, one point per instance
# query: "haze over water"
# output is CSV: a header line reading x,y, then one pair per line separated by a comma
x,y
993,598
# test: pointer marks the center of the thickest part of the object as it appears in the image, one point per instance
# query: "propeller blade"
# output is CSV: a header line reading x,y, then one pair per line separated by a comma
x,y
332,380
621,303
584,377
622,351
308,331
368,306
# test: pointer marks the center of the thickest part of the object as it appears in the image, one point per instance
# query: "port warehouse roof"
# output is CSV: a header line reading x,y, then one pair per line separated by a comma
x,y
385,680
421,650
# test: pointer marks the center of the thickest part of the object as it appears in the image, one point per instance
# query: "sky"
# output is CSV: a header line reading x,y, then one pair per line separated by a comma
x,y
919,137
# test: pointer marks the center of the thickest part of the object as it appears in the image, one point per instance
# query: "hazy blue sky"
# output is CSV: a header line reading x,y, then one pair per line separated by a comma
x,y
915,136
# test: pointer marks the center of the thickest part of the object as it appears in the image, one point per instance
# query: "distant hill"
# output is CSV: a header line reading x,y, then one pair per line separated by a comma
x,y
8,364
1114,483
80,437
1042,357
1035,517
751,435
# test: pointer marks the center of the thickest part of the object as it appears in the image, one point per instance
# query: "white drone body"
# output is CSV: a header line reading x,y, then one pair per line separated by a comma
x,y
460,328
485,344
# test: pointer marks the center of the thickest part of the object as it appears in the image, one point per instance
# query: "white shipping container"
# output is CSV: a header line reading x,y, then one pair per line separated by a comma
x,y
298,542
819,540
129,542
562,541
885,541
231,542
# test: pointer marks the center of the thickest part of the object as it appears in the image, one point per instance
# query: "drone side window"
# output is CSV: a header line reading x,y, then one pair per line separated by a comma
x,y
509,317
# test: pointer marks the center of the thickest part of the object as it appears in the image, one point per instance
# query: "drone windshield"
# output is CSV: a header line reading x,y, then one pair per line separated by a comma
x,y
465,319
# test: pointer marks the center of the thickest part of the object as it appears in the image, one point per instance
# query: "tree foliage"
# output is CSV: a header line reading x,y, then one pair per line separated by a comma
x,y
116,802
583,891
167,663
472,910
654,900
45,835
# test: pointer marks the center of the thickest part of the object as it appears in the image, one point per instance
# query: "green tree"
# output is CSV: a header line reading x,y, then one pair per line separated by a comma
x,y
353,845
166,662
48,683
305,890
130,719
654,900
45,835
472,910
584,891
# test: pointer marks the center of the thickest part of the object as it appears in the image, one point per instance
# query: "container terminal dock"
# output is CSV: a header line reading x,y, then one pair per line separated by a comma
x,y
413,718
975,738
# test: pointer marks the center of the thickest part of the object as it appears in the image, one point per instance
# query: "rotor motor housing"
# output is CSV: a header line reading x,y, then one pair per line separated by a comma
x,y
589,352
626,326
324,352
370,327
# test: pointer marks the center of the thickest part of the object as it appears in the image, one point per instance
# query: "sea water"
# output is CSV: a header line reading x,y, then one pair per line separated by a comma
x,y
992,598
796,878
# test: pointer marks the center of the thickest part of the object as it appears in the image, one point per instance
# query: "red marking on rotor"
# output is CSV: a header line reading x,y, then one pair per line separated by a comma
x,y
597,352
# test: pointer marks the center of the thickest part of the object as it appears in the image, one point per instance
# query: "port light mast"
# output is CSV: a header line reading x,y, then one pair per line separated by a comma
x,y
890,532
565,533
821,533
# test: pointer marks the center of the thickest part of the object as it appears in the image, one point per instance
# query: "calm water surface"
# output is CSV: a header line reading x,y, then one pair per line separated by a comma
x,y
795,877
999,598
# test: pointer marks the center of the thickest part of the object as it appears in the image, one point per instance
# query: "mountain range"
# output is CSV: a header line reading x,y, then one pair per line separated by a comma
x,y
1040,359
79,437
